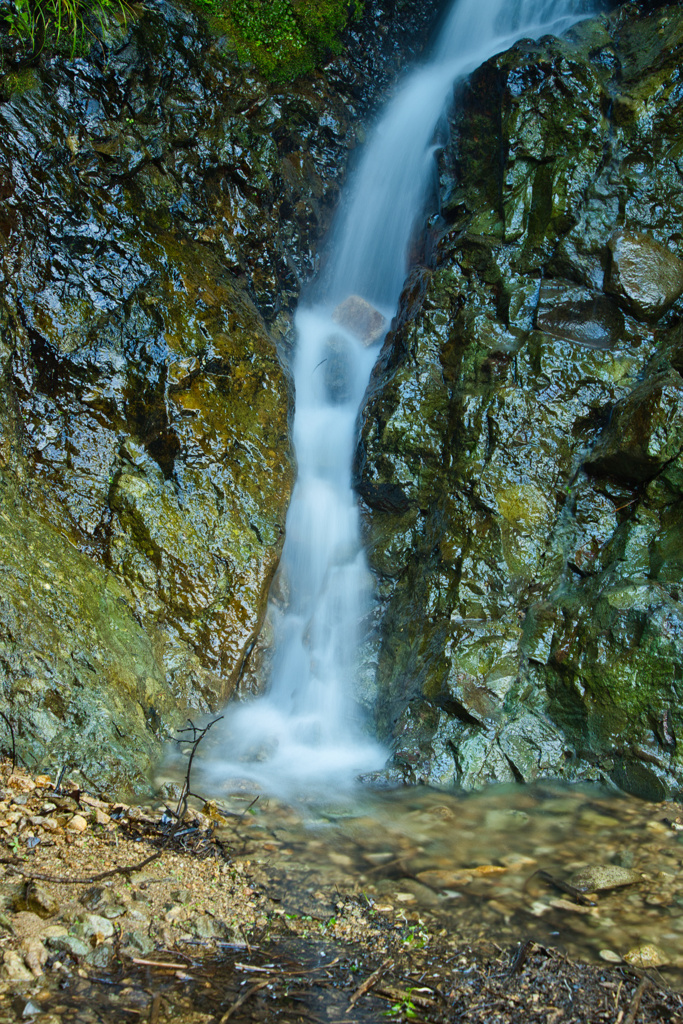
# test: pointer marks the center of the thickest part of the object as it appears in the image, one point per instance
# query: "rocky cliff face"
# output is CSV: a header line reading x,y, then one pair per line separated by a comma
x,y
527,410
159,207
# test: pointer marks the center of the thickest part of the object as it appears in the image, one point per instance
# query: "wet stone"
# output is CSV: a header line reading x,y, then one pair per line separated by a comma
x,y
603,877
645,275
360,318
576,314
338,369
646,956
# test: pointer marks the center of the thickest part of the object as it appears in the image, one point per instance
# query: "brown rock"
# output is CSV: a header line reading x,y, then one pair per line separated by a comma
x,y
77,824
14,968
361,319
646,956
35,955
645,276
436,879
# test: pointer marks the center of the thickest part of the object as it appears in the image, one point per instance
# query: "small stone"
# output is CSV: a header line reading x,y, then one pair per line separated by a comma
x,y
77,824
88,925
207,927
37,900
646,956
341,859
22,783
601,877
35,956
100,956
379,856
14,968
138,941
436,879
360,318
101,818
69,944
571,908
26,925
610,956
174,914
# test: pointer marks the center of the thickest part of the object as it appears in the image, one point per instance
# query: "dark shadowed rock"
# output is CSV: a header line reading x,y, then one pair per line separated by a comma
x,y
573,313
384,497
645,431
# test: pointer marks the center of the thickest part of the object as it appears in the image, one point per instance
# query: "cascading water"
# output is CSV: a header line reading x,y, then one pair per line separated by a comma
x,y
303,734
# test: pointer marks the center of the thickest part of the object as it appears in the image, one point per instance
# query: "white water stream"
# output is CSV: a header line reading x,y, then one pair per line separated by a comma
x,y
304,734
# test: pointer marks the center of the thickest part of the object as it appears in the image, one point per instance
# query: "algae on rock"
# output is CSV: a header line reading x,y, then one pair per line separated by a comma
x,y
528,403
161,207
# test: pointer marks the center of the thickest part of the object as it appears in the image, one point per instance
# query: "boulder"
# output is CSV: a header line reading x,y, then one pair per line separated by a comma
x,y
645,431
360,318
530,620
646,277
573,313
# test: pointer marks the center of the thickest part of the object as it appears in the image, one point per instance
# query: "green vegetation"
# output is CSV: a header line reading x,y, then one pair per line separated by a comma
x,y
36,21
285,38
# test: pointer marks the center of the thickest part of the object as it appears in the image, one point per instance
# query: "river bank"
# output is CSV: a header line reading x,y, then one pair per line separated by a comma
x,y
122,912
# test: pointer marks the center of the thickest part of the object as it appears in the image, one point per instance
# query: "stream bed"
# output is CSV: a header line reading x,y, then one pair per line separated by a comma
x,y
487,866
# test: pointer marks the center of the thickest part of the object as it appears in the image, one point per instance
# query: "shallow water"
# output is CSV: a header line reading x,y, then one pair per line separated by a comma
x,y
470,863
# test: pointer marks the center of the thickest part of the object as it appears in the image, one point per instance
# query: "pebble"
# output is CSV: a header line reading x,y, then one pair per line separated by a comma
x,y
35,955
610,956
599,877
14,968
646,956
77,824
436,879
87,925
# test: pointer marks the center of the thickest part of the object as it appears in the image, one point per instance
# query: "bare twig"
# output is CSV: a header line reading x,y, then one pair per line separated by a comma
x,y
369,982
36,876
197,737
565,887
635,1002
159,963
242,999
247,809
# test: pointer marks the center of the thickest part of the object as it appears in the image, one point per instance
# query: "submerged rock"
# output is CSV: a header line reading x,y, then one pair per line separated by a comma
x,y
339,368
604,876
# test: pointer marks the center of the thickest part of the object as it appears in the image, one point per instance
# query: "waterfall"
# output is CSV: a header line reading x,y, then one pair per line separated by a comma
x,y
303,734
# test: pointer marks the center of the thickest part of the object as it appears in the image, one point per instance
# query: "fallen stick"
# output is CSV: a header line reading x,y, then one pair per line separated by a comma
x,y
158,963
37,876
242,1000
369,982
635,1003
400,995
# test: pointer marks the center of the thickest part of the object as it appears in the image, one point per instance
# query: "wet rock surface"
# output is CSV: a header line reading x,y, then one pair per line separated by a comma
x,y
526,403
160,209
